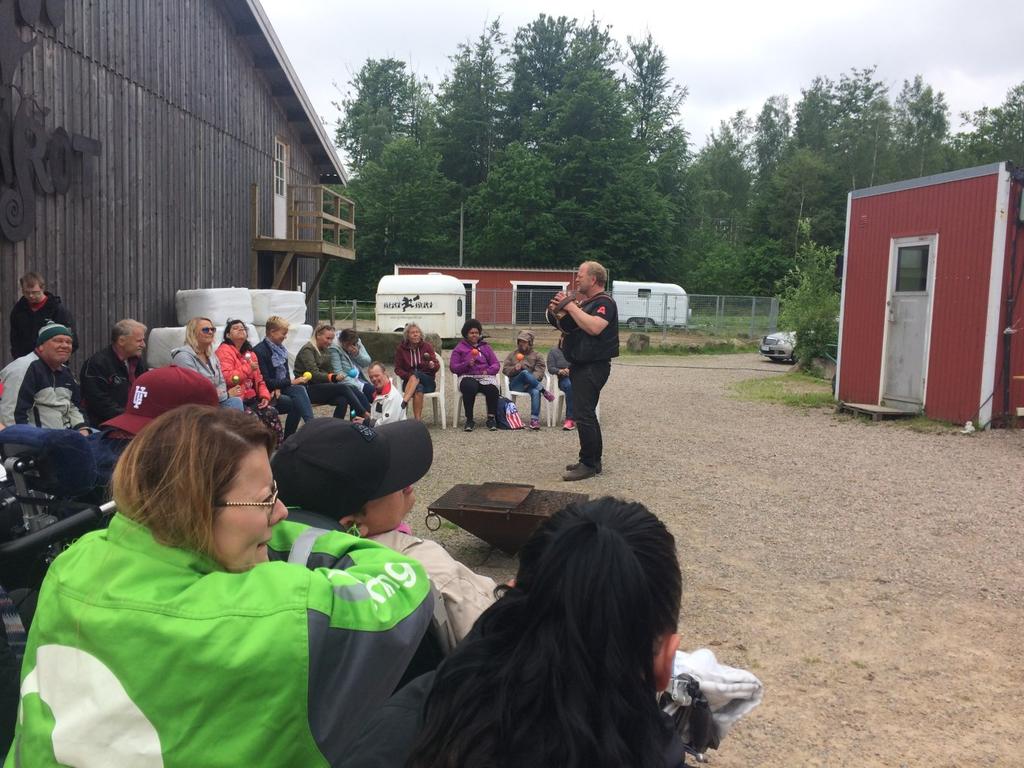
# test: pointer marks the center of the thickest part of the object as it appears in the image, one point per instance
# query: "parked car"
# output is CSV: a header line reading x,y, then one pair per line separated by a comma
x,y
778,347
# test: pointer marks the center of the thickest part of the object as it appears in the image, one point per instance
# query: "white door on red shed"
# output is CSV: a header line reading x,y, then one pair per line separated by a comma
x,y
908,322
280,189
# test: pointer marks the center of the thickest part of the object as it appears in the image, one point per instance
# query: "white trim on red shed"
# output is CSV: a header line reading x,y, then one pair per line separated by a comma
x,y
993,333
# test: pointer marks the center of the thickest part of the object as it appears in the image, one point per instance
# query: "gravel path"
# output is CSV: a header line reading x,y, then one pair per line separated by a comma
x,y
870,575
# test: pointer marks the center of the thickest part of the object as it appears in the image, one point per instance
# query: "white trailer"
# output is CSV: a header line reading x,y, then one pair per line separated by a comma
x,y
646,304
436,302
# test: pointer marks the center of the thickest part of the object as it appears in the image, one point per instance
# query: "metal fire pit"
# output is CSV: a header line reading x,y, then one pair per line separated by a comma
x,y
502,514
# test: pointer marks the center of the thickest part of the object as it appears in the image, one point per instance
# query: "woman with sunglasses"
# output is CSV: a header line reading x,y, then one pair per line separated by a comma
x,y
203,627
198,355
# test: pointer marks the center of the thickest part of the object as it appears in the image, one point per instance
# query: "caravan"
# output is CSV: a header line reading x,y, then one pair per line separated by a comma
x,y
645,304
435,302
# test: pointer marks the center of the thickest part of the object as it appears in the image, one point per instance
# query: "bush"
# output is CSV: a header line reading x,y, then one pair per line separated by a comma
x,y
810,302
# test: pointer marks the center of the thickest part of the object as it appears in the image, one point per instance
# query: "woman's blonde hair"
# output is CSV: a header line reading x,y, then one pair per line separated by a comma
x,y
171,477
192,331
409,327
321,327
277,323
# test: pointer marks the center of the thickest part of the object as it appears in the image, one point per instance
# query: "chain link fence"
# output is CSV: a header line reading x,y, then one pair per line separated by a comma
x,y
524,307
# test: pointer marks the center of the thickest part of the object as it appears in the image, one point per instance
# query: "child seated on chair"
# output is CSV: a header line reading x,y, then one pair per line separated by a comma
x,y
525,370
362,477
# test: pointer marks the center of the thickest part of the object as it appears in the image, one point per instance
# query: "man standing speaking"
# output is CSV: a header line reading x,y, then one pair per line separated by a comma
x,y
590,339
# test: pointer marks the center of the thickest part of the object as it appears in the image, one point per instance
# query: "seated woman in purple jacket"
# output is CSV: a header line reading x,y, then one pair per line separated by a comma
x,y
477,367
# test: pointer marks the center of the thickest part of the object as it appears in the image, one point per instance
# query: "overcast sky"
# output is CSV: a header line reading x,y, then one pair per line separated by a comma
x,y
730,54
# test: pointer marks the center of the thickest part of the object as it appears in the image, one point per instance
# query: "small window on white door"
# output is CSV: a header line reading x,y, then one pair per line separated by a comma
x,y
280,189
912,269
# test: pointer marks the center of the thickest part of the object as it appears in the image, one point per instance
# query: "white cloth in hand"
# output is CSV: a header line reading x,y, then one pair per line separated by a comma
x,y
731,692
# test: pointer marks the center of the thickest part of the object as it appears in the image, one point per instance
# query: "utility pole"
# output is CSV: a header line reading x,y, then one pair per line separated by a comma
x,y
462,207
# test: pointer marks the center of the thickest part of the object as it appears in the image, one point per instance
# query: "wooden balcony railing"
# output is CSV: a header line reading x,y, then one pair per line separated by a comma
x,y
319,214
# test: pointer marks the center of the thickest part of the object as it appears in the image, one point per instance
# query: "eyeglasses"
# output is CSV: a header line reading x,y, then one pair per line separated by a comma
x,y
207,329
268,504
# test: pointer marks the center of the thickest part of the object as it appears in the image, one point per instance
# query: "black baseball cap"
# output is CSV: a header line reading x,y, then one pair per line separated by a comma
x,y
334,467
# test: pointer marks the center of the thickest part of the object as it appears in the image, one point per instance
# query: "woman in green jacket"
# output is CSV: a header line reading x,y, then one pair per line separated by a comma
x,y
191,631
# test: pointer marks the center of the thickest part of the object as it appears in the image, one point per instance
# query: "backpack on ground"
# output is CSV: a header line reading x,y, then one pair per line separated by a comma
x,y
508,415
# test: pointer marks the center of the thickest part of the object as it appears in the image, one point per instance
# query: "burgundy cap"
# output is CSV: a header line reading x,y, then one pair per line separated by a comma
x,y
161,390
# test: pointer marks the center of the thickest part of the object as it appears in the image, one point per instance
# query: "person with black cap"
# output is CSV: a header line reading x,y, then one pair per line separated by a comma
x,y
361,477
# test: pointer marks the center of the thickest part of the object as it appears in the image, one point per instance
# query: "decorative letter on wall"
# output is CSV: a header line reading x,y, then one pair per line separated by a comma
x,y
32,159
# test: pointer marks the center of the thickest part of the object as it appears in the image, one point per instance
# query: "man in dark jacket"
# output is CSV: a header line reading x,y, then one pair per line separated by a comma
x,y
108,375
34,309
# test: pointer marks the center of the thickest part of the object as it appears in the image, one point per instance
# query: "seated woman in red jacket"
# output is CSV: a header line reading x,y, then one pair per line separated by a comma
x,y
416,365
242,368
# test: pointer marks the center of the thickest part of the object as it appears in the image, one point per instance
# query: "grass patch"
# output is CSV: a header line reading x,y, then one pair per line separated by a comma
x,y
796,389
927,426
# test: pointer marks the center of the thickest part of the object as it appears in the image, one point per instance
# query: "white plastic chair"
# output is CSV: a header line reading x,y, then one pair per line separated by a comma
x,y
556,406
437,398
457,409
512,394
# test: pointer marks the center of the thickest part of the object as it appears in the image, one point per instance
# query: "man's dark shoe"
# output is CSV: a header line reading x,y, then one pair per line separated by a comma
x,y
470,424
492,424
578,464
581,472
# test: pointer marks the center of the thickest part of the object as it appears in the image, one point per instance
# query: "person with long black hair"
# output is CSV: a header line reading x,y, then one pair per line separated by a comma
x,y
564,668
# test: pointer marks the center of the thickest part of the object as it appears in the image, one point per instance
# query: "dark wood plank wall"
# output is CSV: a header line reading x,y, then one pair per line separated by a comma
x,y
187,124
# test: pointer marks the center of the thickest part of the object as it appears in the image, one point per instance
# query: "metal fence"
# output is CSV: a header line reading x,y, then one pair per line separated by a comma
x,y
743,316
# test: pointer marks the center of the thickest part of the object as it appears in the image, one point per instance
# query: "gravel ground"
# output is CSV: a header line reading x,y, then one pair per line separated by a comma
x,y
870,575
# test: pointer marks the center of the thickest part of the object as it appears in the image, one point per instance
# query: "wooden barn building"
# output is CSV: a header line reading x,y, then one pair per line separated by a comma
x,y
152,145
504,295
931,320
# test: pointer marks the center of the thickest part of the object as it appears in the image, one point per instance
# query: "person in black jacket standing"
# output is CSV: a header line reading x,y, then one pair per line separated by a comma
x,y
36,307
108,375
590,339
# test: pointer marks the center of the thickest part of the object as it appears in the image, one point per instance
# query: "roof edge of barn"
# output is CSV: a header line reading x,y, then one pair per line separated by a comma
x,y
332,163
927,181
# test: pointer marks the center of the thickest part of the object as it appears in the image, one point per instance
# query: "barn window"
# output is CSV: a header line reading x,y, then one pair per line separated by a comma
x,y
912,269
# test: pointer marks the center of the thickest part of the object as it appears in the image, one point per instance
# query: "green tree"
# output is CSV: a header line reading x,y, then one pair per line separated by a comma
x,y
387,103
771,136
920,129
470,109
863,128
406,213
539,62
653,99
810,301
816,117
996,133
722,174
511,215
803,191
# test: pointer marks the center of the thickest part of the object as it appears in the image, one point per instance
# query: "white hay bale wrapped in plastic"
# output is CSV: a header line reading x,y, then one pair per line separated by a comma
x,y
162,340
252,335
218,304
296,339
160,343
291,305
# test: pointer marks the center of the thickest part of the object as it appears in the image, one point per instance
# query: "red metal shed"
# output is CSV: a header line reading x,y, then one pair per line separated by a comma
x,y
503,296
930,273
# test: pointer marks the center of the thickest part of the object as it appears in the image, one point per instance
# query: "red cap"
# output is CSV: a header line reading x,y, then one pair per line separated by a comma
x,y
161,390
